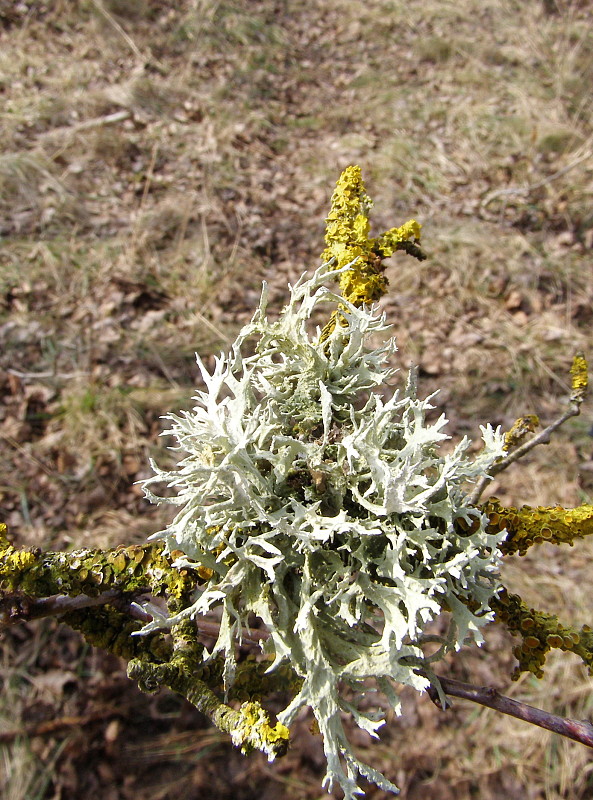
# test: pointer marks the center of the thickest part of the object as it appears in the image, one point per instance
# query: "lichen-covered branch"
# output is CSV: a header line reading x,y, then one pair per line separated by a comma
x,y
519,430
527,526
347,240
93,583
540,633
133,569
250,726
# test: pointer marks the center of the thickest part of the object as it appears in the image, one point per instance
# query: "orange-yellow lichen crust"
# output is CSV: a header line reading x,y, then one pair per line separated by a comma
x,y
91,572
254,731
519,430
347,238
250,726
527,526
580,378
13,562
540,633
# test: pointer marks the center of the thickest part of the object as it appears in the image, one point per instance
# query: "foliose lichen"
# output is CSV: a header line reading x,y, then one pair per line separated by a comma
x,y
328,509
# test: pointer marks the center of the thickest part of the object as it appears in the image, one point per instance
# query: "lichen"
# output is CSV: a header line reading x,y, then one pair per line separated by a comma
x,y
250,726
327,509
540,633
519,430
315,496
91,572
14,562
580,378
527,526
254,731
348,244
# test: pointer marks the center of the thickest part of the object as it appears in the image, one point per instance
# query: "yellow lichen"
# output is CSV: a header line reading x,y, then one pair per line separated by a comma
x,y
521,427
580,378
540,632
255,731
13,562
527,526
394,238
347,240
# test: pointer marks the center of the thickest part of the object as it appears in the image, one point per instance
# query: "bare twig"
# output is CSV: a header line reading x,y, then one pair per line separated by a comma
x,y
87,124
15,608
578,730
543,437
53,725
526,190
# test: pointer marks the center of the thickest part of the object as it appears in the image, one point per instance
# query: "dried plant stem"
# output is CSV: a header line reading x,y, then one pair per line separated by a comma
x,y
526,190
142,58
117,27
85,125
579,731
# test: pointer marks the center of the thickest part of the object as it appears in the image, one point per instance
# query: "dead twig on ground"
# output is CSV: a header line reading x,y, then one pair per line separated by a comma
x,y
54,725
525,191
87,124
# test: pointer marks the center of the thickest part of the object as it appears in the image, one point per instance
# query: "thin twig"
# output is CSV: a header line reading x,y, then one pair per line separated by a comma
x,y
543,437
526,190
16,608
116,26
87,124
62,376
578,730
53,725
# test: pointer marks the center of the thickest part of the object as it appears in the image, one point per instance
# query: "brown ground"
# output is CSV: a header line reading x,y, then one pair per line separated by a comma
x,y
158,161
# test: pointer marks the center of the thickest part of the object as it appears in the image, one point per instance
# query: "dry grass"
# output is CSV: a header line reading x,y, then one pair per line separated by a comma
x,y
160,159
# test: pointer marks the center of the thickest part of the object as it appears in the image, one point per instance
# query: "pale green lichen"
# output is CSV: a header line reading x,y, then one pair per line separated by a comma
x,y
329,511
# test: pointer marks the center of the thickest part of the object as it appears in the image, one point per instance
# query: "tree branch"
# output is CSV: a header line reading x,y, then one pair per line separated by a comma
x,y
16,608
543,437
578,730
